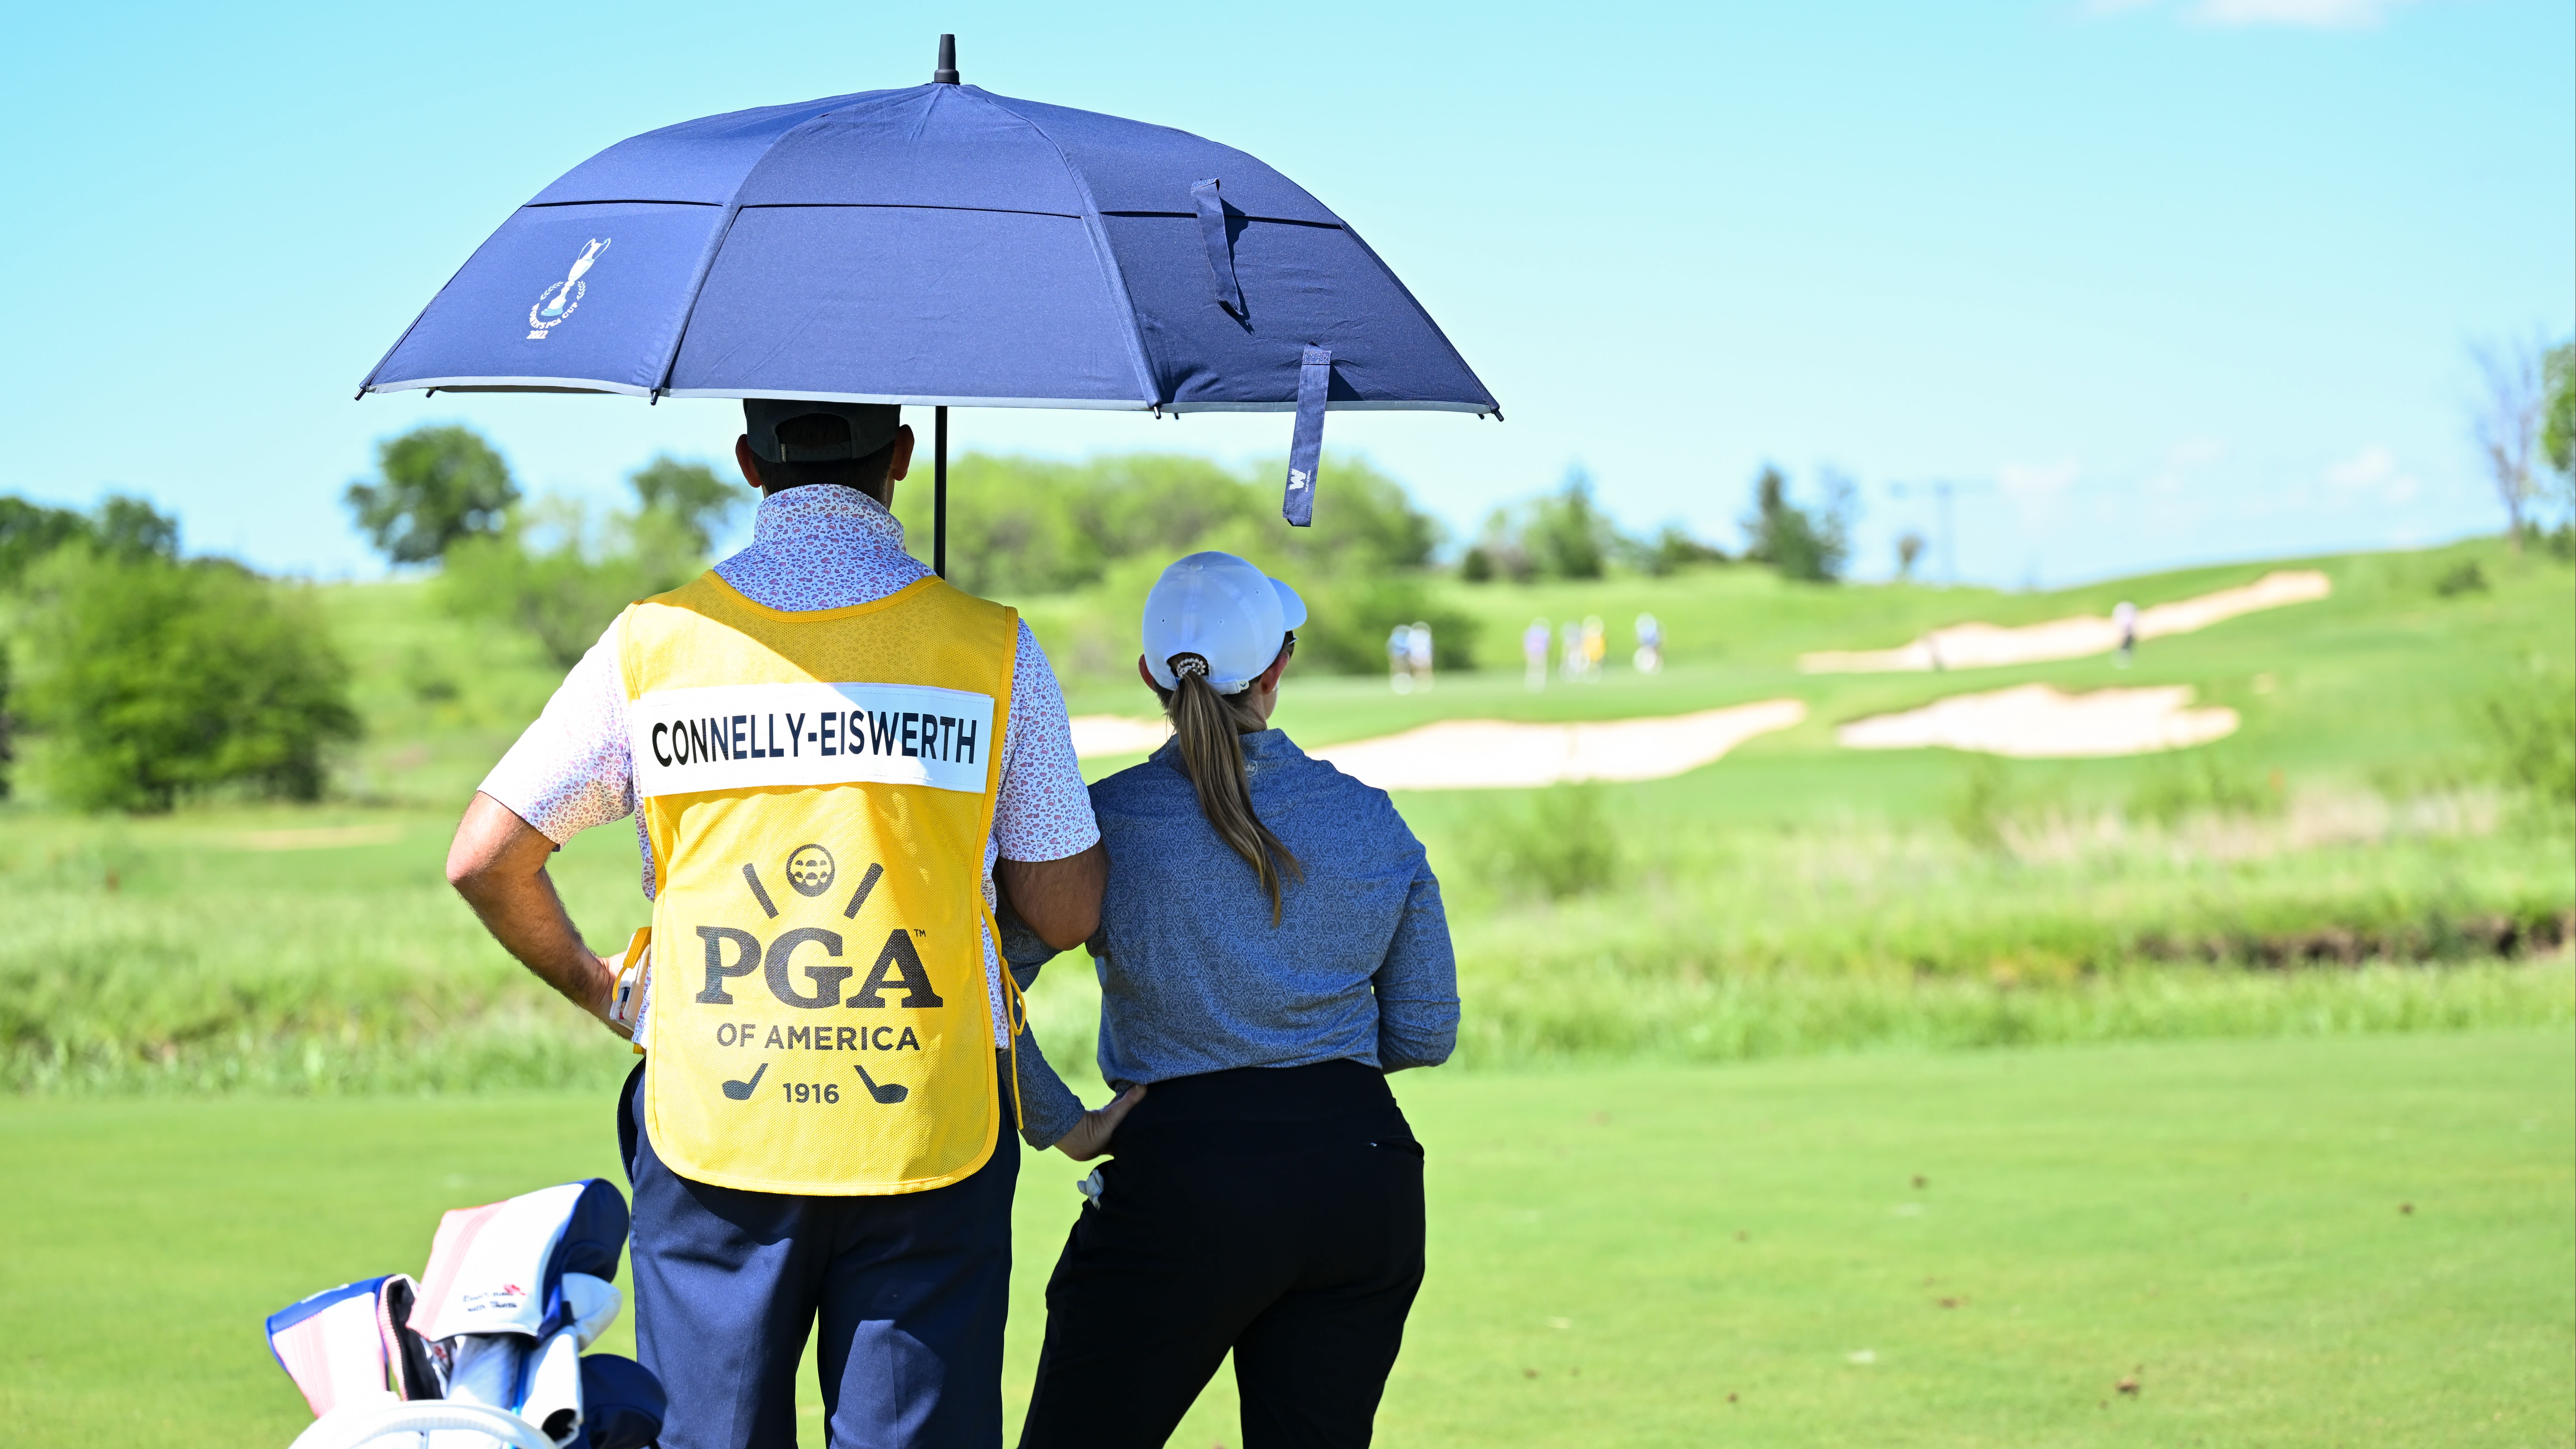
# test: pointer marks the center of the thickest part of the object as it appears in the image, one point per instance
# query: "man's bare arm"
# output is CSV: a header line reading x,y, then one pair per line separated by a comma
x,y
1060,899
498,863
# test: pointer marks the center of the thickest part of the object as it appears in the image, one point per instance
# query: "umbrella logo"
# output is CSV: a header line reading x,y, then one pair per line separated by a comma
x,y
810,870
1296,479
556,304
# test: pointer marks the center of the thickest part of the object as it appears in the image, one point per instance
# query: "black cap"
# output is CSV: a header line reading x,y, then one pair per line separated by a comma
x,y
872,426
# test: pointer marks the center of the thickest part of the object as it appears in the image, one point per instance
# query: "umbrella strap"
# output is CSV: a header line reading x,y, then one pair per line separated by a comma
x,y
1306,448
1220,257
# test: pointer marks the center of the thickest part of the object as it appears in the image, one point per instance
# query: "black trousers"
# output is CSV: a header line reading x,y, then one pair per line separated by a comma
x,y
1273,1212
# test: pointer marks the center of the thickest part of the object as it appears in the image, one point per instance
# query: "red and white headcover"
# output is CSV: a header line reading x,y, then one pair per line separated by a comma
x,y
343,1345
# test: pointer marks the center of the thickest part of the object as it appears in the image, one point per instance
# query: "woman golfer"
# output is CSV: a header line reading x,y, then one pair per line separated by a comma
x,y
1271,946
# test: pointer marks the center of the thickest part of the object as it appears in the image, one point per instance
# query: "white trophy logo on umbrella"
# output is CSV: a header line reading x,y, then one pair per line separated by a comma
x,y
559,301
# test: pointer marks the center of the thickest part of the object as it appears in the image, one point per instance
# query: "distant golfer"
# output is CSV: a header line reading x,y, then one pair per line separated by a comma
x,y
833,758
1534,642
1417,652
1272,944
1399,659
1650,645
2124,617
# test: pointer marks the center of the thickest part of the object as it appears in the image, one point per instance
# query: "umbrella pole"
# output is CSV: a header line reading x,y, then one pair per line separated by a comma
x,y
939,492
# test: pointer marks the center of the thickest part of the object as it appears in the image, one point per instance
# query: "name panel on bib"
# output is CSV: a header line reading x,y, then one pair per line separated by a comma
x,y
747,736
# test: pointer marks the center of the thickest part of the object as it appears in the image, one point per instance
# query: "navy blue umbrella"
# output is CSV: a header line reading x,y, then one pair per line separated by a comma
x,y
941,246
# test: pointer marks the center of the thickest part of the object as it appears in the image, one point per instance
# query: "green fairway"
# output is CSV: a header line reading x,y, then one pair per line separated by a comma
x,y
2350,1241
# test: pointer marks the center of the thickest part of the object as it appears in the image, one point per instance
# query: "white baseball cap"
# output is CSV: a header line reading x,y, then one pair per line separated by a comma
x,y
1223,610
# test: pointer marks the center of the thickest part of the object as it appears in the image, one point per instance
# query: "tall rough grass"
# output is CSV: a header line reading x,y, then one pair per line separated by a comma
x,y
158,960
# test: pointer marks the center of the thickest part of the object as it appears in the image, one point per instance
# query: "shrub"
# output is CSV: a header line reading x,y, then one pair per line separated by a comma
x,y
2196,784
1561,845
562,575
2464,577
152,678
2532,732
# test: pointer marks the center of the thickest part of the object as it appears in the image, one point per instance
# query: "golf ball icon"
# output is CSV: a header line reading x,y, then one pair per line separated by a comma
x,y
810,870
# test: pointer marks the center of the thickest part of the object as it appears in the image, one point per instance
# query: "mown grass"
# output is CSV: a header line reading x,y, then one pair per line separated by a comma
x,y
2353,1241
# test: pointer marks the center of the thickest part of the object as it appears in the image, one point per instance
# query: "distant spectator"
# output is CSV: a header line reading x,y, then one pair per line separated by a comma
x,y
1650,645
1596,647
1534,642
2124,617
1417,652
1399,659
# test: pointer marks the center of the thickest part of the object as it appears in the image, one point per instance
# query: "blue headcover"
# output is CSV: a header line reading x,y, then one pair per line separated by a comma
x,y
622,1403
938,244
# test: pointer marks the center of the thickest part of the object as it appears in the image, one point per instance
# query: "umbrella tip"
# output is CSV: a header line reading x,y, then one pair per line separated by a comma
x,y
946,75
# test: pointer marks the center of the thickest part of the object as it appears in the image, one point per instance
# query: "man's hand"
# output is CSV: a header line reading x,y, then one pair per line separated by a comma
x,y
498,863
1090,1136
1060,899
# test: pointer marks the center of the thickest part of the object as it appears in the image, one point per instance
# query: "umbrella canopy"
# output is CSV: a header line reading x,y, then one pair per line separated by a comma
x,y
937,245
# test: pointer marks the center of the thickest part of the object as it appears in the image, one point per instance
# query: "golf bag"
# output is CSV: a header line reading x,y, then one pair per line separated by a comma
x,y
513,1292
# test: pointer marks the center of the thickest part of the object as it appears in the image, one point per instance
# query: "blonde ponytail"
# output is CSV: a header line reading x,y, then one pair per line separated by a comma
x,y
1210,727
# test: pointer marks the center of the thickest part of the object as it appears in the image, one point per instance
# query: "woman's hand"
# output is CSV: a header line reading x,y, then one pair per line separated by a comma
x,y
1090,1136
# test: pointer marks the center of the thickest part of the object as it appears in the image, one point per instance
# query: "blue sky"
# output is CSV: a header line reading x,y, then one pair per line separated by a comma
x,y
2151,283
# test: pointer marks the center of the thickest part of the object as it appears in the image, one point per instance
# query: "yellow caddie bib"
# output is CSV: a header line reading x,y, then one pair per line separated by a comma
x,y
817,788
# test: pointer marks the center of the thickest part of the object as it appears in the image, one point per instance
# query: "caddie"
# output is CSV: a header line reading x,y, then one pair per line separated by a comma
x,y
832,757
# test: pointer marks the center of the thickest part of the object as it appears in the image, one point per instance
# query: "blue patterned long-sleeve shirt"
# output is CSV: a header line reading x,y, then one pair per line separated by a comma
x,y
1193,976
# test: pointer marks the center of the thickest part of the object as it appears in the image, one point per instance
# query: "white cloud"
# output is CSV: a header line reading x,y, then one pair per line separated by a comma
x,y
2304,14
2312,14
2373,470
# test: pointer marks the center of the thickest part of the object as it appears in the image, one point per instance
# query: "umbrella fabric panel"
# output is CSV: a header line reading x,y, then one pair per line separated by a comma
x,y
1302,286
700,161
1131,166
919,304
626,308
932,146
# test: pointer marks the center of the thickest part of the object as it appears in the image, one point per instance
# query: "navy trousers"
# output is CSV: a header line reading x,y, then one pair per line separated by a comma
x,y
911,1293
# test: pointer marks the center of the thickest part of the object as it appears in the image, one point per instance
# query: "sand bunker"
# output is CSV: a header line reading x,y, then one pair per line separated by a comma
x,y
1492,754
2035,722
1117,734
1988,646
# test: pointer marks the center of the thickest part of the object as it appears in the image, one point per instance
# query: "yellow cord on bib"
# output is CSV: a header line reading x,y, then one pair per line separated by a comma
x,y
1015,1009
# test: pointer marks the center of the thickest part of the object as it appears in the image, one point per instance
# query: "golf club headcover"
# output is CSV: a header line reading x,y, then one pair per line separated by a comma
x,y
590,1304
623,1402
416,1370
333,1345
550,1389
499,1268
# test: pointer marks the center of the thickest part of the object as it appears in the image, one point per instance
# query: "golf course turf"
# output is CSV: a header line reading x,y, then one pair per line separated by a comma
x,y
2355,1240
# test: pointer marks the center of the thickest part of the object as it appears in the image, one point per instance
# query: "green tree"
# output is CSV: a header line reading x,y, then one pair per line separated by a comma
x,y
2558,418
1811,546
131,528
690,494
1567,535
437,485
562,574
1673,549
154,678
29,531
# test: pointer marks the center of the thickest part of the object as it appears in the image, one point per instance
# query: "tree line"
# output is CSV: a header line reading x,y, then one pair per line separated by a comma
x,y
1567,535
